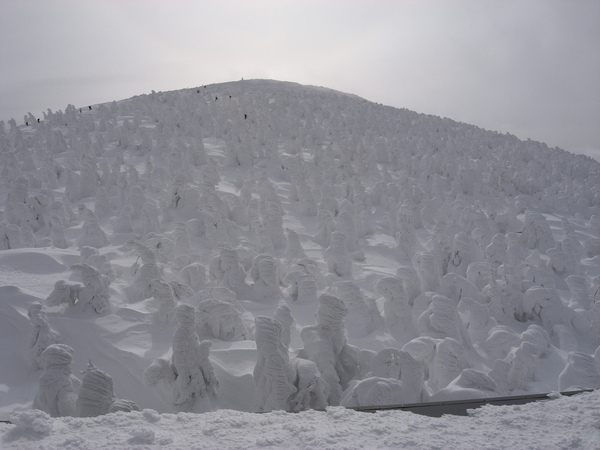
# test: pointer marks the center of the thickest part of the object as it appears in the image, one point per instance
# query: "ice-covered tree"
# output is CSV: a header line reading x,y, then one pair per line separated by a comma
x,y
57,231
92,235
427,266
536,232
266,279
580,297
336,255
544,305
294,248
581,371
325,344
164,295
470,383
463,254
63,293
396,309
395,378
449,361
195,384
442,320
284,316
363,316
96,395
194,275
42,336
95,292
226,270
58,387
190,371
274,375
220,315
148,271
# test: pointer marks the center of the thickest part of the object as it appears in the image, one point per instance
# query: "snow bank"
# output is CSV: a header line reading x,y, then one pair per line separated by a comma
x,y
538,425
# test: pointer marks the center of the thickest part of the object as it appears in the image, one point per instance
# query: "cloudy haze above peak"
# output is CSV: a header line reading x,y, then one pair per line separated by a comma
x,y
531,68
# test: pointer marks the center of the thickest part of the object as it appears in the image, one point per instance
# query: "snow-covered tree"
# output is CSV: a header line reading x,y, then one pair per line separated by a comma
x,y
397,311
96,395
325,344
95,292
363,316
163,293
220,316
148,271
195,384
58,387
581,371
63,293
284,316
42,336
336,255
266,279
92,235
274,375
395,378
226,270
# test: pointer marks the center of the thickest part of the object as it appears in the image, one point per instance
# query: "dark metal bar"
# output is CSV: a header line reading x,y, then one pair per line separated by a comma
x,y
460,407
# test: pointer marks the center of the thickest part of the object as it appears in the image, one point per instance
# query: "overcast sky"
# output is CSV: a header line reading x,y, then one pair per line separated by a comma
x,y
529,67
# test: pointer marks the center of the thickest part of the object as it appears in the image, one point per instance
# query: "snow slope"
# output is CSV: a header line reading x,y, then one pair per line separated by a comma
x,y
465,262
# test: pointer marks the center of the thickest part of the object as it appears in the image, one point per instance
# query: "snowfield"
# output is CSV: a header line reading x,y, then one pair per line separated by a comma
x,y
561,423
175,263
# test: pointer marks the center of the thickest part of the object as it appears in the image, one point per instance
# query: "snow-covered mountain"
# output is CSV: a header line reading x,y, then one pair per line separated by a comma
x,y
261,245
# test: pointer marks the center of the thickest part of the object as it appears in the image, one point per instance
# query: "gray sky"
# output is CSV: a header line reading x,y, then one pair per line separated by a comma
x,y
529,67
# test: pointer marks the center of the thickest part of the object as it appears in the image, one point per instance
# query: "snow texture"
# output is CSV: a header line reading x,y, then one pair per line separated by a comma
x,y
405,237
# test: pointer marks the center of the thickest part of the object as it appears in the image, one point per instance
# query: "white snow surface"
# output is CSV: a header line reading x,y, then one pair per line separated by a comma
x,y
469,253
560,423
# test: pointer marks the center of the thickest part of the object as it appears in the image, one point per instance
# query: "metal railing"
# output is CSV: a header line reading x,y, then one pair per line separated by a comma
x,y
460,407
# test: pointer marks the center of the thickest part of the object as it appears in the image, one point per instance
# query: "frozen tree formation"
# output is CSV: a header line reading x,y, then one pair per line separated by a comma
x,y
396,307
266,279
58,387
63,293
302,279
220,315
325,344
470,383
92,235
336,255
163,293
190,370
225,270
289,385
195,377
42,336
148,271
96,395
274,375
395,378
284,316
363,316
581,372
95,292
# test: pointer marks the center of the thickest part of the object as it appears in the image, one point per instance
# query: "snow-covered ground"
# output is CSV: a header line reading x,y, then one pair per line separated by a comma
x,y
561,423
260,245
